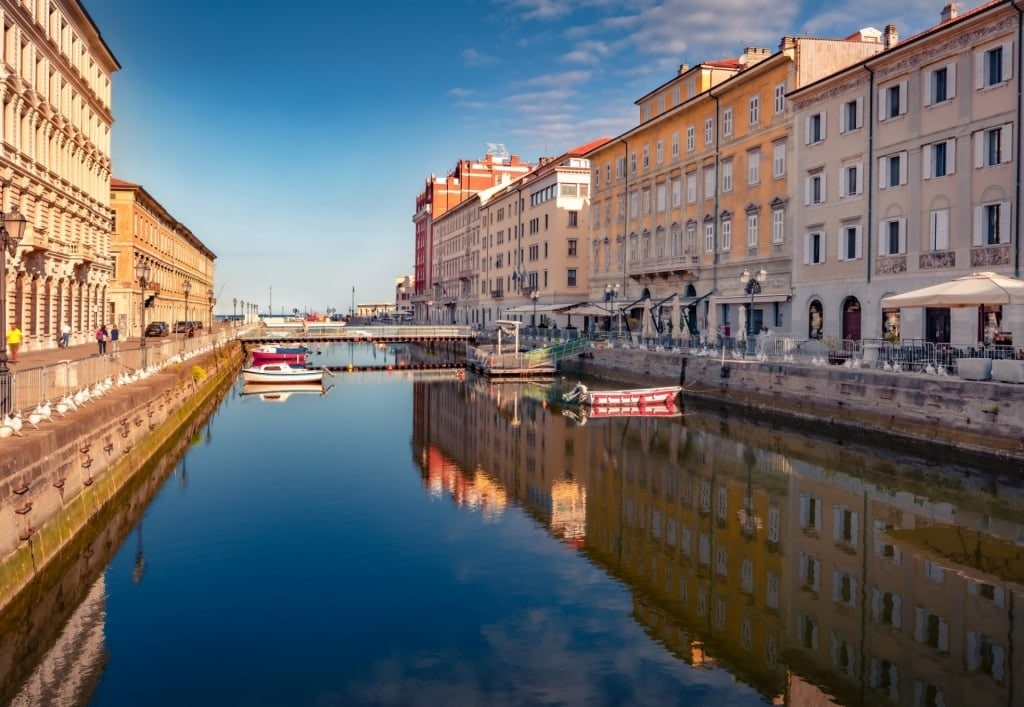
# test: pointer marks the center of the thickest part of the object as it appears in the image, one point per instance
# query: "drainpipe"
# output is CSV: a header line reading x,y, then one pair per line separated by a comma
x,y
870,118
718,158
625,219
1017,185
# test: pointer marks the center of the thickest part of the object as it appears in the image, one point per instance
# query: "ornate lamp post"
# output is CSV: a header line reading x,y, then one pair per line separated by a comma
x,y
209,295
142,273
187,289
12,226
234,311
752,286
245,312
610,293
534,295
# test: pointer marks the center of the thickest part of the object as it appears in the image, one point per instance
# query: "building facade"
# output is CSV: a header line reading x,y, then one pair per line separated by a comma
x,y
55,168
908,169
181,266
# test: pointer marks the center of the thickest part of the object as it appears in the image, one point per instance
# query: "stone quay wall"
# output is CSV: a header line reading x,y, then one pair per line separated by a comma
x,y
56,479
978,417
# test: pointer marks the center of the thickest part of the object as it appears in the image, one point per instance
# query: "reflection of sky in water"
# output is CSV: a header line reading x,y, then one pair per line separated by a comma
x,y
305,561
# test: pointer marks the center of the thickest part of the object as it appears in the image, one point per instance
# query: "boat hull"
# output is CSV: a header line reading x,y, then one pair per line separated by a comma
x,y
640,398
267,357
279,373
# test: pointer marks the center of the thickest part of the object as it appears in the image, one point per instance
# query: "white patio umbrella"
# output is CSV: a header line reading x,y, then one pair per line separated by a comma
x,y
647,329
741,331
677,326
973,290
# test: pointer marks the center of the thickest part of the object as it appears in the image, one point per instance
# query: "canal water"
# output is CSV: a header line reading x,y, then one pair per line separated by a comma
x,y
422,539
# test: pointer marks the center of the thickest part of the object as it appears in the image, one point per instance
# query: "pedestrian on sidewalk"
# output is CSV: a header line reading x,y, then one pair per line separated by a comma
x,y
101,339
14,342
115,336
65,335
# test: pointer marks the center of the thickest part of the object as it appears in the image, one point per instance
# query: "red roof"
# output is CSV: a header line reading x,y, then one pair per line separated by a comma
x,y
592,145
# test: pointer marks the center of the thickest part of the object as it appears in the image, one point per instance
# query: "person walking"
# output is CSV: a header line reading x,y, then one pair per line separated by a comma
x,y
65,335
101,339
14,342
115,336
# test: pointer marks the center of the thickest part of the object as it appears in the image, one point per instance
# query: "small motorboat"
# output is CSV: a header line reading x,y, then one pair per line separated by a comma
x,y
639,399
269,353
282,373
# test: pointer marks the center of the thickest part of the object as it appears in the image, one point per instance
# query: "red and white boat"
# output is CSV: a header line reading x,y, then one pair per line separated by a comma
x,y
278,354
642,400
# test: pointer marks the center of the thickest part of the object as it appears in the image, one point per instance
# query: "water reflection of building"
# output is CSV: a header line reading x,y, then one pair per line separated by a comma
x,y
900,595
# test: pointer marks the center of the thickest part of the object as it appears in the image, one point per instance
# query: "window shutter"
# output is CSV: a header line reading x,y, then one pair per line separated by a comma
x,y
926,161
943,636
824,123
837,517
919,624
853,528
824,190
903,167
860,178
940,220
979,219
1004,222
881,105
841,240
842,181
929,89
844,126
807,261
807,191
1007,61
859,112
979,149
837,577
951,80
821,259
858,244
979,69
897,604
882,249
1006,143
951,156
876,604
902,235
883,173
807,130
903,97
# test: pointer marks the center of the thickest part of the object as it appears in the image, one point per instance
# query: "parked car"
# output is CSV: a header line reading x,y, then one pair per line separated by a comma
x,y
158,329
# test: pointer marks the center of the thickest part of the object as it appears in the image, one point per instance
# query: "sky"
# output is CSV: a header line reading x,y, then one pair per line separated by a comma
x,y
293,139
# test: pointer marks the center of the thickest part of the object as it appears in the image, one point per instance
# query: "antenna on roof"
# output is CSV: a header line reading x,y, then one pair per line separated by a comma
x,y
497,149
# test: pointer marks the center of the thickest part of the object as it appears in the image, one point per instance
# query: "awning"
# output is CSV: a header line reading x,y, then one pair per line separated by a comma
x,y
745,299
540,308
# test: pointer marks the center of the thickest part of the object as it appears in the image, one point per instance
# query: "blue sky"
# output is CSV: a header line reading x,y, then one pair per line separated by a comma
x,y
293,139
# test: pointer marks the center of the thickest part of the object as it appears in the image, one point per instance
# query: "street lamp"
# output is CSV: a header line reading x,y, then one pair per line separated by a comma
x,y
187,289
610,293
752,286
234,313
12,226
209,295
534,295
142,273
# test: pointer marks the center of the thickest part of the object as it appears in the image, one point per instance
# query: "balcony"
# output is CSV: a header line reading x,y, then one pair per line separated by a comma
x,y
667,267
497,294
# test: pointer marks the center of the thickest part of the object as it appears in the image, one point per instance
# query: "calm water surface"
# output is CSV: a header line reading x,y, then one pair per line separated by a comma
x,y
447,542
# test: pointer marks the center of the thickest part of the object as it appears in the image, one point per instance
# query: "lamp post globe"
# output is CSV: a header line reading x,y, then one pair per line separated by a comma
x,y
752,286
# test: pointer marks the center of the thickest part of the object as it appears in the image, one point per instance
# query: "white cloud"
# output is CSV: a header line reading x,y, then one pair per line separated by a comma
x,y
474,57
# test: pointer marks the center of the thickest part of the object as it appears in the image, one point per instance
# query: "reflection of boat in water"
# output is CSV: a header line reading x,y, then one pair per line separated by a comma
x,y
581,414
279,393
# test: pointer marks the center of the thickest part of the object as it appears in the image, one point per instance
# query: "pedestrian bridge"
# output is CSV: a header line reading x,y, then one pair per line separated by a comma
x,y
324,334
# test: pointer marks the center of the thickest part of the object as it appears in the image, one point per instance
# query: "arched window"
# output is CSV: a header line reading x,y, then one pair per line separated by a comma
x,y
815,321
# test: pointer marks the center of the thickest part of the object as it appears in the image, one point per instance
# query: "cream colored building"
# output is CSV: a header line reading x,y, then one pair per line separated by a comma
x,y
55,168
146,233
905,172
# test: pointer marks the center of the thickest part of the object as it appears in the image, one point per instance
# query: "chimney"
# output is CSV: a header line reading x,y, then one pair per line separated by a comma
x,y
890,37
683,68
949,12
752,55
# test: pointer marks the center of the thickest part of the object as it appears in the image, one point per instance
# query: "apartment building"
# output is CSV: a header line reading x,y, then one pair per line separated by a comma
x,y
438,196
55,168
181,279
907,171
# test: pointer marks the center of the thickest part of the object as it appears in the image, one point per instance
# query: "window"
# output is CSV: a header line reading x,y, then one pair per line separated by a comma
x,y
755,110
691,238
993,66
992,223
726,234
646,156
727,175
597,177
892,101
677,192
727,122
570,278
849,243
709,237
941,85
632,162
752,230
754,167
574,219
660,197
815,128
852,116
608,173
810,571
852,181
815,189
779,160
659,152
892,237
993,146
892,170
780,99
572,245
690,139
620,168
709,182
691,187
709,130
814,253
778,225
938,229
634,204
939,159
675,144
845,525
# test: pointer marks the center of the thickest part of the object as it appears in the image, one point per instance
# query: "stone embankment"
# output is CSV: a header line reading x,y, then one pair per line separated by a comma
x,y
55,479
979,417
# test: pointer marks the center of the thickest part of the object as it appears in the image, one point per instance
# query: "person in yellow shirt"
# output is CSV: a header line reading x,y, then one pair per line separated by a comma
x,y
14,342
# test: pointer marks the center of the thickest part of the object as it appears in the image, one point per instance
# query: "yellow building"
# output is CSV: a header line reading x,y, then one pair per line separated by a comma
x,y
55,168
181,266
696,195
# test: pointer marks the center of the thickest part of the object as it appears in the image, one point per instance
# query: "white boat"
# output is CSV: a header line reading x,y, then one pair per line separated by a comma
x,y
282,373
641,399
